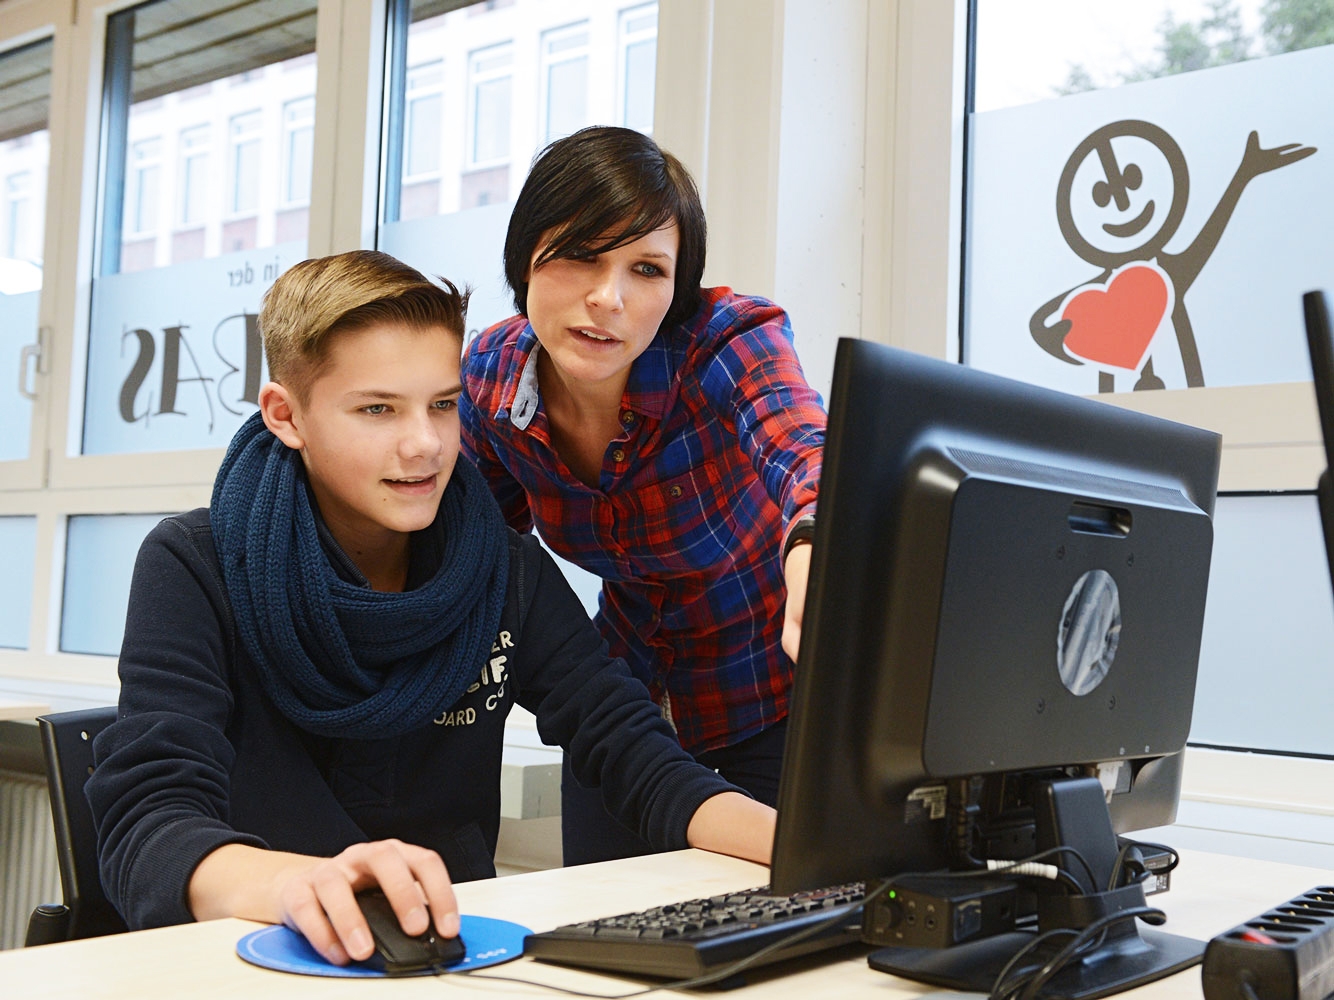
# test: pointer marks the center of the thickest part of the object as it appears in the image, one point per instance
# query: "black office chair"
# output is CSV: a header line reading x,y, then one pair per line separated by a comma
x,y
67,743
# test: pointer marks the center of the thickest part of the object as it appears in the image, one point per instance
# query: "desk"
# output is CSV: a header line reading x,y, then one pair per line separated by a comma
x,y
26,711
1211,893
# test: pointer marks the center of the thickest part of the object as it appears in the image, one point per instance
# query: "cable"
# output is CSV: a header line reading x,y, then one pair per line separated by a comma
x,y
1082,940
709,978
997,993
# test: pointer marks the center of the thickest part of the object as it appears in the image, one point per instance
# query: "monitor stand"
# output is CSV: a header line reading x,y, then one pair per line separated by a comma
x,y
1070,812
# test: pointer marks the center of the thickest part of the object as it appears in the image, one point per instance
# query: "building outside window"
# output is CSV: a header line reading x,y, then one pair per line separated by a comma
x,y
194,148
490,83
145,182
564,81
425,107
246,151
18,215
298,146
638,30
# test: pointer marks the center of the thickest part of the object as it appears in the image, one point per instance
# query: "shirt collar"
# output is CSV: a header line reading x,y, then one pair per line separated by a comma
x,y
648,390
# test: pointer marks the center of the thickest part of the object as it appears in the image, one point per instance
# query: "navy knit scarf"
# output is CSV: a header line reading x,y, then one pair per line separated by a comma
x,y
340,659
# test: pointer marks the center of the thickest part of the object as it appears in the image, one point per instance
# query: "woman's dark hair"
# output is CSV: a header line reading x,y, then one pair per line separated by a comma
x,y
596,190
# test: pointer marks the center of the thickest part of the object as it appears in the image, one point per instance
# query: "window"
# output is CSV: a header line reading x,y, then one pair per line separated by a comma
x,y
298,140
18,215
1145,205
564,81
425,107
490,82
207,160
145,178
639,57
473,92
25,81
99,563
1100,146
245,162
194,146
18,540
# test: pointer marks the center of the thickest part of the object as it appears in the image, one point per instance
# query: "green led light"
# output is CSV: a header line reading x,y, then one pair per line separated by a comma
x,y
893,894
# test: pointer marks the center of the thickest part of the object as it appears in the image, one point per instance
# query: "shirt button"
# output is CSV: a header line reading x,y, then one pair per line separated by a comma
x,y
675,492
627,418
618,455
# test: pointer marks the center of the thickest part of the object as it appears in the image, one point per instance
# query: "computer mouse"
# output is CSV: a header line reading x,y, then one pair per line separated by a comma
x,y
398,953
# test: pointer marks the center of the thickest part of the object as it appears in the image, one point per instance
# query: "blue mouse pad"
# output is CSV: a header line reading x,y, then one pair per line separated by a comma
x,y
489,942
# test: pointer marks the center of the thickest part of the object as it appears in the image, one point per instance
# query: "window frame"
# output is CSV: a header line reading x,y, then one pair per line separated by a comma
x,y
28,22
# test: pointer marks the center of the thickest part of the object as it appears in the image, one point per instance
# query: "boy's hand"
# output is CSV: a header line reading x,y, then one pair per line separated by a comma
x,y
320,902
316,896
796,569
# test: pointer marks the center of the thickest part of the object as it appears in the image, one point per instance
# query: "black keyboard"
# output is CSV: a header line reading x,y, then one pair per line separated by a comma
x,y
685,940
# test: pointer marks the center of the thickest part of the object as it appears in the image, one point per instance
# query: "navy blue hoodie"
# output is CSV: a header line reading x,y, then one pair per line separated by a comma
x,y
200,757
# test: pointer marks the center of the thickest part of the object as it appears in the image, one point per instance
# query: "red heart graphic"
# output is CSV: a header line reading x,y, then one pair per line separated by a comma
x,y
1114,327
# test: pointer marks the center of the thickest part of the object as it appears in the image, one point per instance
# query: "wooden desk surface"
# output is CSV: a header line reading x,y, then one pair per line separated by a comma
x,y
13,708
1210,894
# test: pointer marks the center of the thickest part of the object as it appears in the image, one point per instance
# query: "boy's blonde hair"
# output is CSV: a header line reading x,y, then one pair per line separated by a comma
x,y
347,291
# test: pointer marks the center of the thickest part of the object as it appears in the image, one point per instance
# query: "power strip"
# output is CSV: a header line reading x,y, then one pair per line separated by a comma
x,y
1286,953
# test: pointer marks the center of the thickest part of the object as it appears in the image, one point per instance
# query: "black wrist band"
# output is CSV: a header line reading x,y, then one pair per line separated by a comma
x,y
802,530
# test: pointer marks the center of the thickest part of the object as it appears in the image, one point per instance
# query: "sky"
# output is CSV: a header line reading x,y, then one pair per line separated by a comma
x,y
1025,47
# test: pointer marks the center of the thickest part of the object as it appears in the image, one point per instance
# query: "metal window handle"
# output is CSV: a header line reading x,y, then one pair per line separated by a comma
x,y
38,355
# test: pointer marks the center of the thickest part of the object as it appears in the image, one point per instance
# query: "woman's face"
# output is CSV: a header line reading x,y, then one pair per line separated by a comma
x,y
594,316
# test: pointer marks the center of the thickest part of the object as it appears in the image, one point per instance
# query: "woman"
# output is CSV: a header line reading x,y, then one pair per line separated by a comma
x,y
661,436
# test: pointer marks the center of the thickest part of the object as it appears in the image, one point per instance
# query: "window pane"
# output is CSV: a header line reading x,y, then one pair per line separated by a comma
x,y
18,541
194,144
209,119
499,78
1147,196
639,57
25,88
423,135
99,563
425,107
299,126
565,81
567,97
1262,547
491,121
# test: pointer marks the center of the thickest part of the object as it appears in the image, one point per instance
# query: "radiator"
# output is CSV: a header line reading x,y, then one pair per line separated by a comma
x,y
29,872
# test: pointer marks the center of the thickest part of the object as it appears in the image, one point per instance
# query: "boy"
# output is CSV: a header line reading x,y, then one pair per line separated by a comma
x,y
316,669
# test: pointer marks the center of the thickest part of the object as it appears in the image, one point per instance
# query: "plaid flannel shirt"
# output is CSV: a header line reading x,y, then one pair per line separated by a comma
x,y
718,455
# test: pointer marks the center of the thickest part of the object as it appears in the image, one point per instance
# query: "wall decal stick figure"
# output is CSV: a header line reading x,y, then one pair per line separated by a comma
x,y
1134,176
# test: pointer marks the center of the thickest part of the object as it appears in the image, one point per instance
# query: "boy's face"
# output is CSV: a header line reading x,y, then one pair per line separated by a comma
x,y
379,432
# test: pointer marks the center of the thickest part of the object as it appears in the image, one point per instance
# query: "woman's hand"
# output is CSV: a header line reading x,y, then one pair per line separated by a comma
x,y
735,824
795,569
317,896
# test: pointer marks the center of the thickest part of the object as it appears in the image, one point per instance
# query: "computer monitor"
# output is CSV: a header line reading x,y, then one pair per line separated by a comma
x,y
1005,604
1320,340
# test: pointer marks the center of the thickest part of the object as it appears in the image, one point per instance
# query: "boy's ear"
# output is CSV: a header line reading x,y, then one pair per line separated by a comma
x,y
282,412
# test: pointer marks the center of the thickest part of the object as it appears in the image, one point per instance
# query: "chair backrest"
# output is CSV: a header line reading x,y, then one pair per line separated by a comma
x,y
67,742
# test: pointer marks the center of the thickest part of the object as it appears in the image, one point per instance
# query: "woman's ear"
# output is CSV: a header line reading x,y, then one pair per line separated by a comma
x,y
282,414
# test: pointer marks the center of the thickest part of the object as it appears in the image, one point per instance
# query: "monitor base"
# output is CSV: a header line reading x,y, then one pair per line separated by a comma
x,y
1117,965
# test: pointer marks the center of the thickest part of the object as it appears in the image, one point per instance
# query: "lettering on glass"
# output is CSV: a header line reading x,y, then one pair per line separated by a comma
x,y
184,388
1121,197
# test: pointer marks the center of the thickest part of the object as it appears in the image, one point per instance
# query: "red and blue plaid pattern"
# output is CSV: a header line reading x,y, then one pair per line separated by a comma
x,y
719,453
